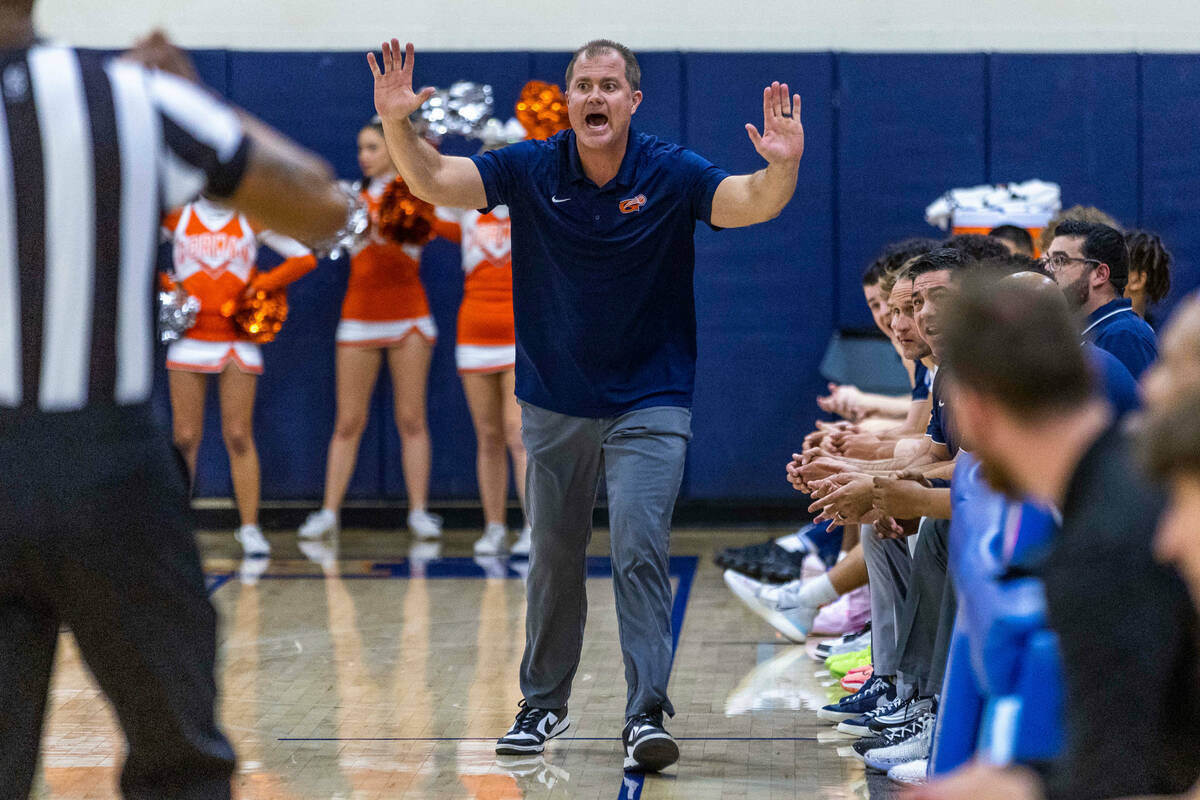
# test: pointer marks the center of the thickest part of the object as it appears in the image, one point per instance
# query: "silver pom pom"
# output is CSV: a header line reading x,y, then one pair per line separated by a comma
x,y
177,312
461,110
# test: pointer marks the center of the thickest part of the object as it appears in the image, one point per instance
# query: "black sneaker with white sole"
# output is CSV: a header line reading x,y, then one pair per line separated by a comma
x,y
861,725
869,743
874,693
648,746
911,711
534,726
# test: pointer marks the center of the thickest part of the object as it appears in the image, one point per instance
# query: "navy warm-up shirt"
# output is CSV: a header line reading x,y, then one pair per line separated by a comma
x,y
942,428
1113,380
603,275
922,381
1115,327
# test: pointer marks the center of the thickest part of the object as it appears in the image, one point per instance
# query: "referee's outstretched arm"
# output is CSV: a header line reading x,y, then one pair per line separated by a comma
x,y
285,187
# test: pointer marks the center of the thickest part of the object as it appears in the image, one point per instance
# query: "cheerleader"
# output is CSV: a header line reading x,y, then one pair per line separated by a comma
x,y
214,253
385,316
486,356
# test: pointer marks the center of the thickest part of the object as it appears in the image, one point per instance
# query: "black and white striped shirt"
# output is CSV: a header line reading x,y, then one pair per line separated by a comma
x,y
92,151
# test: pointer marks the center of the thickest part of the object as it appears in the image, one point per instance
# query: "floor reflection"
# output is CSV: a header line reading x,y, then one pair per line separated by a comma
x,y
787,680
367,666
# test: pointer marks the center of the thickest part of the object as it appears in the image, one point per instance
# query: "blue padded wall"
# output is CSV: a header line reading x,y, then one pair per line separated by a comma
x,y
909,128
1069,119
1170,118
213,69
886,134
764,295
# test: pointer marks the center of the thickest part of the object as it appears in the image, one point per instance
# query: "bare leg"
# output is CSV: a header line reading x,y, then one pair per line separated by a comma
x,y
187,413
485,401
409,363
357,369
849,573
850,534
236,389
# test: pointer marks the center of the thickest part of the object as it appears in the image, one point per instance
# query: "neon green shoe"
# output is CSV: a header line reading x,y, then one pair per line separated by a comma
x,y
839,665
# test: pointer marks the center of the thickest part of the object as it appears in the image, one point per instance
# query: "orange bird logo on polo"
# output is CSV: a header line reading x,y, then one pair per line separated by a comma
x,y
632,204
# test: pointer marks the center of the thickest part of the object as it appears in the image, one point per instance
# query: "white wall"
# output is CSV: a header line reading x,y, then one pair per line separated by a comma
x,y
870,25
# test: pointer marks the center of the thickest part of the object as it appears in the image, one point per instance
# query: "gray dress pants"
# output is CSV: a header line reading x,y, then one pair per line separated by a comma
x,y
642,454
888,568
929,610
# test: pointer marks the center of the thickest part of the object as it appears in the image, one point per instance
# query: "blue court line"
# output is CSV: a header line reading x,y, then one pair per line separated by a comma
x,y
217,581
684,567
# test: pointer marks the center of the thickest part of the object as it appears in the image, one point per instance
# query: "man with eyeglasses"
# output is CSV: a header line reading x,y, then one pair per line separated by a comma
x,y
1090,263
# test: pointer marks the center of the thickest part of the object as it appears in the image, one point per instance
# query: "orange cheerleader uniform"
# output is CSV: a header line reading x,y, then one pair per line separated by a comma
x,y
214,254
487,337
385,301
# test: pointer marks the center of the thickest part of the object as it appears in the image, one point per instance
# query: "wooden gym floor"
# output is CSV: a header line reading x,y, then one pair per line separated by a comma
x,y
378,667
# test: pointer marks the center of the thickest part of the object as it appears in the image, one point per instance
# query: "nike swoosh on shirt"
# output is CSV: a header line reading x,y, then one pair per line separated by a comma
x,y
557,199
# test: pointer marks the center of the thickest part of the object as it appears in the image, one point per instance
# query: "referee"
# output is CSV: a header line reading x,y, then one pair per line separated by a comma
x,y
603,220
94,527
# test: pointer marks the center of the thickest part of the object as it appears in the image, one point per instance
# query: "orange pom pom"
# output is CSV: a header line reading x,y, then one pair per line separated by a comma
x,y
403,217
260,316
542,110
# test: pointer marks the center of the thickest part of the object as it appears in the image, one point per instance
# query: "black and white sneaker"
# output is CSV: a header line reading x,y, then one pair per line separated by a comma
x,y
648,746
874,693
531,730
850,643
869,743
911,711
861,725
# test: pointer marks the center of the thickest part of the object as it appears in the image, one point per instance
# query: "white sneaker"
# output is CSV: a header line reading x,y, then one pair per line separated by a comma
x,y
851,643
318,524
254,544
523,543
424,525
912,742
778,604
494,541
793,541
812,567
911,774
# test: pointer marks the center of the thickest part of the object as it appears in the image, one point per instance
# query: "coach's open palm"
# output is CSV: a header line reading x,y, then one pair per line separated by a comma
x,y
782,139
394,95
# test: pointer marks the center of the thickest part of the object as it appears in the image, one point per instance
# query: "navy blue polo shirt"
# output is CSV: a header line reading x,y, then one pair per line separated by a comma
x,y
942,429
1113,380
1115,327
921,381
603,275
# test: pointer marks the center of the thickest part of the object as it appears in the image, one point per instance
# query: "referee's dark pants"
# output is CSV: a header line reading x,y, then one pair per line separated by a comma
x,y
95,535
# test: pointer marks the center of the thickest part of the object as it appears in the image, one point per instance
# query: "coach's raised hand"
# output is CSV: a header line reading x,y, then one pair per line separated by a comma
x,y
394,95
782,139
435,178
743,200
